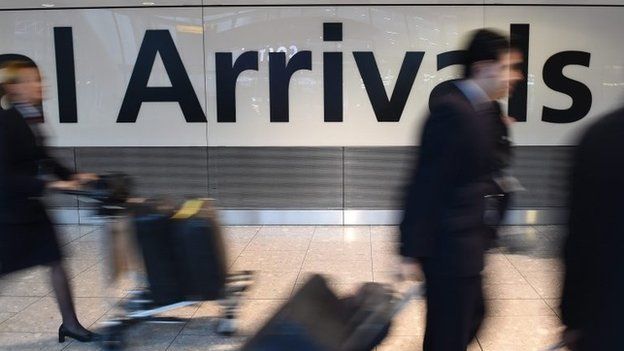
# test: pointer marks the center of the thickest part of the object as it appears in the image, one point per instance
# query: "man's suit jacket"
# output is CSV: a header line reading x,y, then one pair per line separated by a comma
x,y
22,159
594,250
443,214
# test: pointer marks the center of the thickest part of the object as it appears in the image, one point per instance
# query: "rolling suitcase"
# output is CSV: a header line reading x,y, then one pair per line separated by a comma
x,y
315,319
198,245
153,234
184,255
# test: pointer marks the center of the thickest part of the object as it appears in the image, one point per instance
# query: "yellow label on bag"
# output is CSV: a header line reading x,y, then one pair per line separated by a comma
x,y
189,209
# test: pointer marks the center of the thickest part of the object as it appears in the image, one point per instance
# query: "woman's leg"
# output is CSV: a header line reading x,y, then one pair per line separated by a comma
x,y
60,283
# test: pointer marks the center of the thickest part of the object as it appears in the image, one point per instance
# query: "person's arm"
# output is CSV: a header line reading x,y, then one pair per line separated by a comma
x,y
52,165
12,181
432,181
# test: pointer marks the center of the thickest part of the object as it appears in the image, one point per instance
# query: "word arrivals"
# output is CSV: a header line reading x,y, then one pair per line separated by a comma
x,y
386,109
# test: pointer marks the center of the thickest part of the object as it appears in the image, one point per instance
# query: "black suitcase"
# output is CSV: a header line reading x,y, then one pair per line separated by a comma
x,y
198,246
315,319
184,255
153,233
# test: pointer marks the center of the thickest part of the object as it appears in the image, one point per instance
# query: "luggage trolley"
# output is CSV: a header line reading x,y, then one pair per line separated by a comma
x,y
169,284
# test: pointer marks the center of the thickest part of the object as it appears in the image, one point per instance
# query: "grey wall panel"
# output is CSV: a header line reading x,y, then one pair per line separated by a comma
x,y
276,178
158,171
300,178
375,177
66,157
543,171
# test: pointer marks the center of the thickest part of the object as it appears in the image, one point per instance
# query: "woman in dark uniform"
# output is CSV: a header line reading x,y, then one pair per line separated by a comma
x,y
27,237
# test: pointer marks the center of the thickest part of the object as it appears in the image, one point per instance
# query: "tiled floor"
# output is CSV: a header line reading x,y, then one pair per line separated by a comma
x,y
522,284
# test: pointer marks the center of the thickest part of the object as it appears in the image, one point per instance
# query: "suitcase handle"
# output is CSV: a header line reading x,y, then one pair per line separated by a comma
x,y
415,291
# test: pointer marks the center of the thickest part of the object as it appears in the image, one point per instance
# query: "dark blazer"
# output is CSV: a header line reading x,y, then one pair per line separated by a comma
x,y
594,249
443,212
502,145
22,160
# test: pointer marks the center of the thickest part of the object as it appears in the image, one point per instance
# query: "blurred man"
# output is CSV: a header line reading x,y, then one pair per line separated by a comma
x,y
443,225
502,185
591,305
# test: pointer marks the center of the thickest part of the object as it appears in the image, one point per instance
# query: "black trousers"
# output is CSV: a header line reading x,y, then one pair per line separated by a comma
x,y
455,311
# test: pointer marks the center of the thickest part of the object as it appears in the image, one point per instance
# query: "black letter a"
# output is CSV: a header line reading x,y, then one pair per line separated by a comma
x,y
181,90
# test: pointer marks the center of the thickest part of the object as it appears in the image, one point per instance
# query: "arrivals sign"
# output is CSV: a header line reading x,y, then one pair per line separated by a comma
x,y
303,76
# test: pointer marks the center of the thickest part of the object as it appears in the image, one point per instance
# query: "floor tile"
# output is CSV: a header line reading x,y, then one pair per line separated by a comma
x,y
555,305
386,261
338,267
272,285
67,234
270,261
253,314
339,251
15,304
342,234
526,264
518,308
278,244
85,250
385,247
241,231
509,291
286,231
96,282
43,316
519,333
547,284
5,315
25,288
385,233
202,342
30,342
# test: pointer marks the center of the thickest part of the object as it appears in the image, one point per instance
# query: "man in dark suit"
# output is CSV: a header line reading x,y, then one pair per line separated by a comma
x,y
591,304
442,227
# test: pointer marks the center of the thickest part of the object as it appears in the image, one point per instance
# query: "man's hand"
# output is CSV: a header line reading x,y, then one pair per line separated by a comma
x,y
61,185
84,178
411,270
508,120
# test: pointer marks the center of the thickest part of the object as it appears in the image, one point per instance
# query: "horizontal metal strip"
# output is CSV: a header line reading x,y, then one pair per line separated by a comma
x,y
322,217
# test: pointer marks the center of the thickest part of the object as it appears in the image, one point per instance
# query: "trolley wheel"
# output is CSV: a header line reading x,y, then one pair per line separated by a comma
x,y
227,326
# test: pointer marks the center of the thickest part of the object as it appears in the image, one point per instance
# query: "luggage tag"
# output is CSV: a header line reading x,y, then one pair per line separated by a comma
x,y
189,209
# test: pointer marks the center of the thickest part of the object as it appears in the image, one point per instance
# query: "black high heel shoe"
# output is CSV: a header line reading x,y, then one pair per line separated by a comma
x,y
87,337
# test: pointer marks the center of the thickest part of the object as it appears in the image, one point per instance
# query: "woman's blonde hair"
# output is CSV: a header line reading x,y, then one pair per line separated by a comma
x,y
10,74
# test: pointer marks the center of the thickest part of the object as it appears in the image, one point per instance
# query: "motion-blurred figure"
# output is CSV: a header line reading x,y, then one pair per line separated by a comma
x,y
502,185
443,225
27,237
592,306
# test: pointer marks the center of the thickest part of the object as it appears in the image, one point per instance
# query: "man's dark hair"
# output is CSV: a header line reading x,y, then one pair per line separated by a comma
x,y
10,70
485,44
